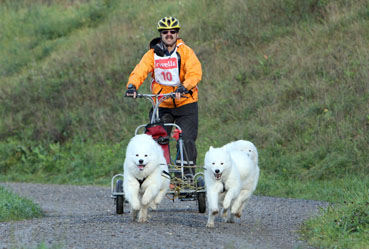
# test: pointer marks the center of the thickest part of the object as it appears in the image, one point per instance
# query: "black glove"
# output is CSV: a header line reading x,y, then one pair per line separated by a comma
x,y
181,89
131,90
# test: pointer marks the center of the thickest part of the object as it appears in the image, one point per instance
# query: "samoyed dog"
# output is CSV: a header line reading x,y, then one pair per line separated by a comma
x,y
231,177
146,178
243,145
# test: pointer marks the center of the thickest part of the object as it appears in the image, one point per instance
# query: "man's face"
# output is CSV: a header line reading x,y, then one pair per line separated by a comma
x,y
169,37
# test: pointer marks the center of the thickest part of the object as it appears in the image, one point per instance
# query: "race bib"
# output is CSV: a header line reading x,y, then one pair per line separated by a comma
x,y
166,70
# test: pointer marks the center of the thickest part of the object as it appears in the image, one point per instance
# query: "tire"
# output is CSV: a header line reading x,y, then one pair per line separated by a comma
x,y
201,201
201,196
120,198
200,183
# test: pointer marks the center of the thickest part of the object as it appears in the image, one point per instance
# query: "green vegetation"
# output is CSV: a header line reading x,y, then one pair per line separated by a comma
x,y
13,207
344,226
289,75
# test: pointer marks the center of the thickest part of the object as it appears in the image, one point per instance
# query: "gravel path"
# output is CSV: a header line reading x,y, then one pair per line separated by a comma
x,y
84,217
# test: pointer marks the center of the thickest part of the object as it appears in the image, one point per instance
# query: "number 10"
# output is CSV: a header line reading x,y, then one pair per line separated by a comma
x,y
167,76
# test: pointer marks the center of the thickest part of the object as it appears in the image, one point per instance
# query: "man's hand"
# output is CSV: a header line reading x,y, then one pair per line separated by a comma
x,y
131,91
180,90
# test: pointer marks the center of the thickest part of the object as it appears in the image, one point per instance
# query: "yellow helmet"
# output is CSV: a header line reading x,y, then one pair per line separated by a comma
x,y
168,23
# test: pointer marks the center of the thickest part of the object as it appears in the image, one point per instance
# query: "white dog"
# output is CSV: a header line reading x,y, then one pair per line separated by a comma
x,y
246,146
230,178
146,178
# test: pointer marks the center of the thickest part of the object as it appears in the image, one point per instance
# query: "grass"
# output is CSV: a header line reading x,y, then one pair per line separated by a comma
x,y
13,207
37,39
334,190
346,225
290,76
76,163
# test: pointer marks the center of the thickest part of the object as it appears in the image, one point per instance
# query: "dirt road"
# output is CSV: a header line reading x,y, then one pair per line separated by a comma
x,y
84,217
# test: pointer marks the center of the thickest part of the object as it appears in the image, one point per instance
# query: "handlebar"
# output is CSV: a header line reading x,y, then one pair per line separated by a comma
x,y
150,95
163,95
156,100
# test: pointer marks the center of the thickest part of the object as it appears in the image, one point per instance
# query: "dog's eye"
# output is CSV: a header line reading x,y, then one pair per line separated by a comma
x,y
213,163
146,155
221,163
249,150
136,155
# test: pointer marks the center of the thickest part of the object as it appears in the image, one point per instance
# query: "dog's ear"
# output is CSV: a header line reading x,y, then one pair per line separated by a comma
x,y
211,148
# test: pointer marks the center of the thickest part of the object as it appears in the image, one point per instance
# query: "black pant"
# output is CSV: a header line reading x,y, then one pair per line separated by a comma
x,y
186,117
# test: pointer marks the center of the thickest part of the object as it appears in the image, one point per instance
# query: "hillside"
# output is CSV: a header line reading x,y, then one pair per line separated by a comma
x,y
291,76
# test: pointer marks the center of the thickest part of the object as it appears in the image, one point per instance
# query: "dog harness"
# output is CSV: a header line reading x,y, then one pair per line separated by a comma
x,y
141,181
224,189
167,175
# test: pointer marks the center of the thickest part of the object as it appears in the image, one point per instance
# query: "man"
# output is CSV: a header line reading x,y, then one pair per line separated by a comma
x,y
174,67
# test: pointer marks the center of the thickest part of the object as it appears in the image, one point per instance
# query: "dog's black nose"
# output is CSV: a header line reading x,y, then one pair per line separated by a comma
x,y
217,171
141,161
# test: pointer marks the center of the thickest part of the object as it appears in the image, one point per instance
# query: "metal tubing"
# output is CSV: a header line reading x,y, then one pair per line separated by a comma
x,y
113,193
180,141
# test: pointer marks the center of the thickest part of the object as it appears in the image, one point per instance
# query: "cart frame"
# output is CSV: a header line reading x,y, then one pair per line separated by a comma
x,y
190,187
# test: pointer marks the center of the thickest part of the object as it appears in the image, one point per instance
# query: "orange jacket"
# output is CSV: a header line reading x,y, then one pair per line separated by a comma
x,y
190,75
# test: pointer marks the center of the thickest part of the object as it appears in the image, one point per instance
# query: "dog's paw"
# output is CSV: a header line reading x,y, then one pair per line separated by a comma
x,y
210,225
153,206
225,213
142,219
135,205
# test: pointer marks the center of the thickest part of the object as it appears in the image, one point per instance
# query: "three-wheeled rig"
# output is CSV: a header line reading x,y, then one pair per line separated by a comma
x,y
185,187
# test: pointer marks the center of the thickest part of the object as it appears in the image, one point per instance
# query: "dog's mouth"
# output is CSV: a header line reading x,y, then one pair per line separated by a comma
x,y
141,167
217,176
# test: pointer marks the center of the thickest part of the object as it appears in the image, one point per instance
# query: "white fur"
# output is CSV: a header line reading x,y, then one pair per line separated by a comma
x,y
143,150
246,146
239,177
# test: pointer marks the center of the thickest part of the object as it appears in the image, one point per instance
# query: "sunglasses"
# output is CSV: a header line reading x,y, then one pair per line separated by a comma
x,y
166,32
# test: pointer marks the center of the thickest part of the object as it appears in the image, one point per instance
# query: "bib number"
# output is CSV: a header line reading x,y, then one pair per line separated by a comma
x,y
167,76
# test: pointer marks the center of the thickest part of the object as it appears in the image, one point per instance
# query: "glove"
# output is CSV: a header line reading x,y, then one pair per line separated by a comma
x,y
131,90
181,89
